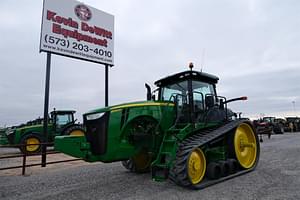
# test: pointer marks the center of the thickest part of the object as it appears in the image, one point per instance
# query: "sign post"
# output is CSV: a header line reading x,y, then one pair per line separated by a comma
x,y
46,108
73,29
106,85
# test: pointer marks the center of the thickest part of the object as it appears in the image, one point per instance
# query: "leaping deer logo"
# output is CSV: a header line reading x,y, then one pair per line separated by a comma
x,y
83,12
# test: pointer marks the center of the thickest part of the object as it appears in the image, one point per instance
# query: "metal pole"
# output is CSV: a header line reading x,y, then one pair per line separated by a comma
x,y
46,107
106,85
24,164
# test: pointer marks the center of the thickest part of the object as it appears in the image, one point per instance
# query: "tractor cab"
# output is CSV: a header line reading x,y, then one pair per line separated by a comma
x,y
61,119
194,94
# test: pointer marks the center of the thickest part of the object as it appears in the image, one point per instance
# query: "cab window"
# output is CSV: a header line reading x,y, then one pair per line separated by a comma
x,y
171,91
63,119
200,91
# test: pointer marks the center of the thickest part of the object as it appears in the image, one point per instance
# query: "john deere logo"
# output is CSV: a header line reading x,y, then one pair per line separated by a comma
x,y
83,12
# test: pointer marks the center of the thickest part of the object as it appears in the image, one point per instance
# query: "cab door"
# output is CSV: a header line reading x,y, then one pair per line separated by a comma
x,y
178,93
204,96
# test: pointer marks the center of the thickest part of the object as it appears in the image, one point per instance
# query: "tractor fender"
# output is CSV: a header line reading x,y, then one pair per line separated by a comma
x,y
69,126
23,135
134,120
74,127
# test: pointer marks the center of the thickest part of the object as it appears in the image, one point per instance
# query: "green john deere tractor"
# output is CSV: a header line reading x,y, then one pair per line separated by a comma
x,y
3,138
184,132
61,122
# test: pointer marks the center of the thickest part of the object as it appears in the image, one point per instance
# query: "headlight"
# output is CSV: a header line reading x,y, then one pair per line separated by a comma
x,y
94,116
9,131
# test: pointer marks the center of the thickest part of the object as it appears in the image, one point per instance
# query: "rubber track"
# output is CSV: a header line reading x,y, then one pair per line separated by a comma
x,y
178,173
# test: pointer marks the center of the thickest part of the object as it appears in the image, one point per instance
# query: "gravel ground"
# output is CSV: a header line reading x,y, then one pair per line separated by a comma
x,y
277,176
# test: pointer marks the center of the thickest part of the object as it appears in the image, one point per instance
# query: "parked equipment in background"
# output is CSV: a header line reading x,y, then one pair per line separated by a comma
x,y
292,124
263,127
184,132
269,126
3,138
278,125
61,122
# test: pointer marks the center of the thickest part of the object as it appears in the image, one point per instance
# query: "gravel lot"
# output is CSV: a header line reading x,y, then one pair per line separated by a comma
x,y
277,176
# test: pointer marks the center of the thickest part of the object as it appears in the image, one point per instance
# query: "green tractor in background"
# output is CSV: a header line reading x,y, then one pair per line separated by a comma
x,y
184,132
61,122
3,138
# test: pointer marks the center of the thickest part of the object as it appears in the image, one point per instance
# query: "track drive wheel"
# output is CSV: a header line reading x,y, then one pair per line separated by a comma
x,y
75,130
139,163
32,142
246,146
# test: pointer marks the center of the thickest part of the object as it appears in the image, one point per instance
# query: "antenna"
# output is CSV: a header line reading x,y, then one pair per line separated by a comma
x,y
202,60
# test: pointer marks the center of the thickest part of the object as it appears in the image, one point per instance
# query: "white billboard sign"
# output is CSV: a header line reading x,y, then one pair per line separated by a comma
x,y
74,29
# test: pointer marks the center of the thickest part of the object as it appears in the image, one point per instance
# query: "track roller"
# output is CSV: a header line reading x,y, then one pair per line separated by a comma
x,y
233,166
225,170
214,170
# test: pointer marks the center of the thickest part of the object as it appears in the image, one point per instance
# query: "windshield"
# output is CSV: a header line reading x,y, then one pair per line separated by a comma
x,y
179,93
170,91
64,119
180,90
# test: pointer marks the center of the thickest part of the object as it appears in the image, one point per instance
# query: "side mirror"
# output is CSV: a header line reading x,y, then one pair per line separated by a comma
x,y
148,92
209,101
222,104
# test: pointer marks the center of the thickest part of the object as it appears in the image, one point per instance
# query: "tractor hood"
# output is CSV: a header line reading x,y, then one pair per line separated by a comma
x,y
107,130
130,105
29,127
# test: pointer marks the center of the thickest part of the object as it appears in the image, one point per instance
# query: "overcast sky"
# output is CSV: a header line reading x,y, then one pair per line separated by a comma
x,y
253,46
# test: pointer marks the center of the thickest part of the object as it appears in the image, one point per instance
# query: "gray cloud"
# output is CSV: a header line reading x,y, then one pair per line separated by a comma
x,y
269,93
251,45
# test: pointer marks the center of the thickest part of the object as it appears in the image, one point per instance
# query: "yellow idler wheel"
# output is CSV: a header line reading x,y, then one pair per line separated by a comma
x,y
245,145
77,133
33,144
196,164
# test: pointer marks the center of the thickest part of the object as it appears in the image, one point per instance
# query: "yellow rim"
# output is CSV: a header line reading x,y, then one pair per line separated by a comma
x,y
245,145
34,144
196,166
77,133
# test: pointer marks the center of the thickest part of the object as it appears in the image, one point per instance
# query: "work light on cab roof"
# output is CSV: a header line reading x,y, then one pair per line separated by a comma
x,y
191,66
